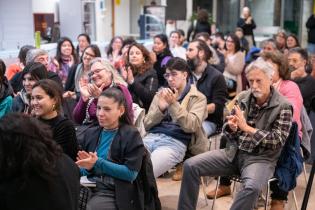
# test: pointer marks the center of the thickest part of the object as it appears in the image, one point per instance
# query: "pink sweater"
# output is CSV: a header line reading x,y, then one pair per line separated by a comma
x,y
292,93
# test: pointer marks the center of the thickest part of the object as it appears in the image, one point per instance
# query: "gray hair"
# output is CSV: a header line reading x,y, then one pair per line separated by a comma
x,y
116,77
33,54
268,41
261,65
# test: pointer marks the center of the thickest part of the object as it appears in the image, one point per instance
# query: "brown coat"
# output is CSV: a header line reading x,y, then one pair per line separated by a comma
x,y
189,115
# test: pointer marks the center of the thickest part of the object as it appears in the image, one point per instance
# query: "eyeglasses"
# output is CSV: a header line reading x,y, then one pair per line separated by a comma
x,y
96,71
168,75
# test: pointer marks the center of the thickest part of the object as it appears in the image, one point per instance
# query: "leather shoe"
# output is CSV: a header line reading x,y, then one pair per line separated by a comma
x,y
222,191
277,204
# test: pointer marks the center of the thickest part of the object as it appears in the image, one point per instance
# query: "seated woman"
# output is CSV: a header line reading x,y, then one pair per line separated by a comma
x,y
32,73
72,87
140,76
35,174
102,76
46,102
6,92
112,155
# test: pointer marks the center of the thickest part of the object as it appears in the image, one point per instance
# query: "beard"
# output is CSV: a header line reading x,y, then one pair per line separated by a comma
x,y
257,94
193,63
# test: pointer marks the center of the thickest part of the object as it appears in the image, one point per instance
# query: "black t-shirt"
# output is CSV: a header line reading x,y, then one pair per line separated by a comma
x,y
307,88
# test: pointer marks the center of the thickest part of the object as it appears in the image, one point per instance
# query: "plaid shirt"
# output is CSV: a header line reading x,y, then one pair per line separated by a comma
x,y
269,139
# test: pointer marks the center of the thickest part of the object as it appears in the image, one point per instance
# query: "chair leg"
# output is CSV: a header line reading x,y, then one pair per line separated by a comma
x,y
305,174
204,190
295,200
210,142
267,194
216,192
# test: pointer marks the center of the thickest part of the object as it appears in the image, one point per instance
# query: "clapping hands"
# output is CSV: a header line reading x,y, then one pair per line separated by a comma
x,y
86,160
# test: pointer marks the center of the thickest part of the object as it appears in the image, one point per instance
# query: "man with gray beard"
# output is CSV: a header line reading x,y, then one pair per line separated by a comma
x,y
256,130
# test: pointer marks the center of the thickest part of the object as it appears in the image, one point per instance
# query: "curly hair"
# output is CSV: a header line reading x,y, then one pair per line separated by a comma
x,y
147,64
26,148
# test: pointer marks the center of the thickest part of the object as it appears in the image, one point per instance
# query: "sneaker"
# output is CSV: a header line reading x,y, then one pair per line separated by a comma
x,y
277,204
222,191
178,173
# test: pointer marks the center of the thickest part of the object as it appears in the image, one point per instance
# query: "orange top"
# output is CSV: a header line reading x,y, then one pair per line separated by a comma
x,y
12,70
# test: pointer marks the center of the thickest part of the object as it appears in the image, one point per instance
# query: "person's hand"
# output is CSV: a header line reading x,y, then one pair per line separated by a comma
x,y
123,73
68,94
130,77
86,160
170,96
153,57
240,119
249,20
162,103
84,89
95,91
232,122
299,72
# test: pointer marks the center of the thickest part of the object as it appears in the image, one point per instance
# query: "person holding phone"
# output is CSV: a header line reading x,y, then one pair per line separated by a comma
x,y
174,120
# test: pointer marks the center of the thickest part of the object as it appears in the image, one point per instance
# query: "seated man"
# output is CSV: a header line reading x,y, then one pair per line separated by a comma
x,y
208,81
174,119
256,132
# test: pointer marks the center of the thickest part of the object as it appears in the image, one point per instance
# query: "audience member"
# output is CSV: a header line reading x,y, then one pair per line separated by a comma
x,y
268,45
281,38
46,104
17,67
174,120
256,131
217,58
310,25
292,93
161,55
243,41
113,52
219,42
64,59
102,76
80,71
234,65
140,76
6,92
175,46
112,155
34,172
298,59
84,41
32,73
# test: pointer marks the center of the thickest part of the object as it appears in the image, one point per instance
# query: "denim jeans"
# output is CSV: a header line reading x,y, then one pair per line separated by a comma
x,y
166,152
209,127
216,163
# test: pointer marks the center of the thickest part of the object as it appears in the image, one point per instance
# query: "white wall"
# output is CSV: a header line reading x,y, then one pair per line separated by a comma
x,y
70,18
103,21
46,6
122,18
16,24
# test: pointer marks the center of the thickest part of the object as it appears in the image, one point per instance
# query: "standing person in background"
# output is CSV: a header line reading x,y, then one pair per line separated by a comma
x,y
310,25
65,58
6,92
113,52
46,105
200,25
161,56
34,172
83,41
247,23
175,46
17,67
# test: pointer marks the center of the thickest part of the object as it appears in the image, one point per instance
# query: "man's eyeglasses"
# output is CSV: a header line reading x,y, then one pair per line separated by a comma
x,y
168,75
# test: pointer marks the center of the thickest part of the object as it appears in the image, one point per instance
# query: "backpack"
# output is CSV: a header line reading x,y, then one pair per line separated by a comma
x,y
290,163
